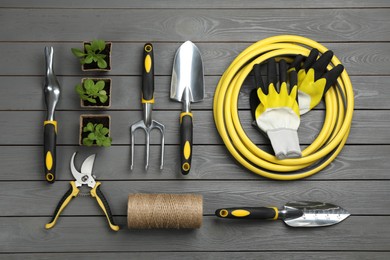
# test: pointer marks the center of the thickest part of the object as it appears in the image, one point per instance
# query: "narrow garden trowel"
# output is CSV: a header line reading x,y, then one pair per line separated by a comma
x,y
52,92
187,85
294,214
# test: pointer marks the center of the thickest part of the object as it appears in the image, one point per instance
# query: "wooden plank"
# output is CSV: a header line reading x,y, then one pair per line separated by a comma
x,y
195,24
39,199
25,127
358,58
368,162
356,30
86,234
215,4
371,92
293,255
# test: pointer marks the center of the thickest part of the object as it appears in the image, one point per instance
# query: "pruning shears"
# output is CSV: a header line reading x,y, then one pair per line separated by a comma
x,y
85,177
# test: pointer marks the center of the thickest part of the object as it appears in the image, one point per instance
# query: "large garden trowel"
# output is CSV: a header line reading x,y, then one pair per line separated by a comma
x,y
294,214
187,85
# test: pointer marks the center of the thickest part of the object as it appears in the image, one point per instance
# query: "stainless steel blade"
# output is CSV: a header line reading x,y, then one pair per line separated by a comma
x,y
76,174
312,214
51,86
187,74
85,176
86,167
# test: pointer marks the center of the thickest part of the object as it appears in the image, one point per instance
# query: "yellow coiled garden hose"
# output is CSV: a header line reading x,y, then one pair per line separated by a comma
x,y
339,104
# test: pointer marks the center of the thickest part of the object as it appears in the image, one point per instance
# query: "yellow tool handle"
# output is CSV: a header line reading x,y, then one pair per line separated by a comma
x,y
68,196
186,133
102,201
148,75
270,213
50,136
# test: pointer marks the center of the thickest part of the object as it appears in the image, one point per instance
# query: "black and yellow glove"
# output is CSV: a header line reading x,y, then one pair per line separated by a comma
x,y
313,78
275,109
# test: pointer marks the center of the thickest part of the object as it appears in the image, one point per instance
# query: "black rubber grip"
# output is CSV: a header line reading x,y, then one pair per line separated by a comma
x,y
259,83
282,71
254,102
247,213
99,193
49,156
186,143
148,73
66,195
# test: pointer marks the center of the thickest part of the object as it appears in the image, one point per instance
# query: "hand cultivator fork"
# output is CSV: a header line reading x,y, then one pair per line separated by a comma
x,y
147,124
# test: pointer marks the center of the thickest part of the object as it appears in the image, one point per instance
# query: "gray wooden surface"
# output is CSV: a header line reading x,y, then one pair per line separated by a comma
x,y
357,30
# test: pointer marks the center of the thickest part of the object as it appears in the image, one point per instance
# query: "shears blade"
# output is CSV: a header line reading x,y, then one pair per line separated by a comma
x,y
85,176
86,167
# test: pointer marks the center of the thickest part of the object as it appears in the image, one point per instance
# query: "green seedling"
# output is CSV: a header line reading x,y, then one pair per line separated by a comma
x,y
98,134
92,54
90,91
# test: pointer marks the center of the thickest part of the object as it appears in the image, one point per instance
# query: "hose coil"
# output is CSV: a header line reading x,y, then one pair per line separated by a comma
x,y
339,103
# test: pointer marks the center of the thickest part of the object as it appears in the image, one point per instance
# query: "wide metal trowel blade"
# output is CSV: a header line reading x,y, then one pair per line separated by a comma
x,y
187,72
313,214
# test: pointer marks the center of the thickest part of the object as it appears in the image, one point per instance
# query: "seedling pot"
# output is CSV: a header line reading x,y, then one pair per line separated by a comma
x,y
94,119
93,66
98,104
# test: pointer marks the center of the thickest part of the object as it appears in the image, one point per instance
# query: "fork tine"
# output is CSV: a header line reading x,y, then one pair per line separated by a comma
x,y
132,149
162,151
147,134
161,128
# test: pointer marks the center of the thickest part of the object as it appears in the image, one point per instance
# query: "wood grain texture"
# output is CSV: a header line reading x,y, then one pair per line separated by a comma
x,y
17,93
25,127
293,255
356,30
215,4
27,234
358,58
356,162
37,199
197,25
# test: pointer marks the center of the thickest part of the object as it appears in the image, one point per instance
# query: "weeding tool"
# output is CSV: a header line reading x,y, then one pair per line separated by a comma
x,y
52,94
85,177
147,123
187,85
294,214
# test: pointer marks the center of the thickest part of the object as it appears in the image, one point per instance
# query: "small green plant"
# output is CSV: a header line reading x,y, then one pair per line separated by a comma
x,y
98,134
93,53
89,91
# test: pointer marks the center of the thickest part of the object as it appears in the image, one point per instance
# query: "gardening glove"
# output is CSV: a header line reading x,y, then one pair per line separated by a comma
x,y
313,78
275,109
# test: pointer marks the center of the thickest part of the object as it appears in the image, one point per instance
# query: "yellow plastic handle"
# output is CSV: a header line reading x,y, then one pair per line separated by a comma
x,y
102,201
50,136
148,75
68,196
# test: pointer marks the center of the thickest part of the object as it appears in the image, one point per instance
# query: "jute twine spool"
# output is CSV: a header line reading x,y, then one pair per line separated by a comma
x,y
147,211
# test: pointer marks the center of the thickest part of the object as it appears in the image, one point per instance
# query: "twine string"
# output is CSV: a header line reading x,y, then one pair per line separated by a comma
x,y
148,211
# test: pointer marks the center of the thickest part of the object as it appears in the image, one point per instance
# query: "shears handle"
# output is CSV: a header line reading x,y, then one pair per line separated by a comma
x,y
102,201
68,196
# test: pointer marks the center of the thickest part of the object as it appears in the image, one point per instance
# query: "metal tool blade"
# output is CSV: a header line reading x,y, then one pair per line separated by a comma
x,y
86,167
187,74
51,86
312,214
85,176
76,174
